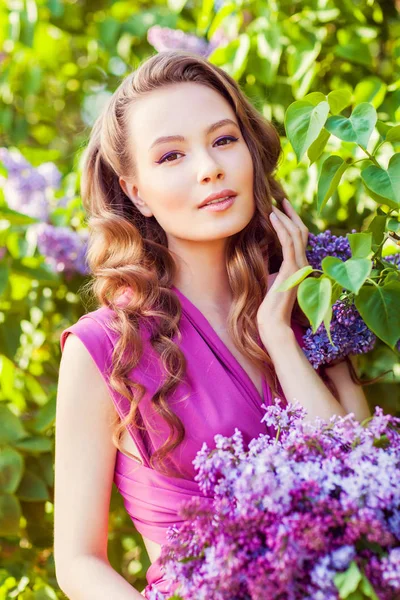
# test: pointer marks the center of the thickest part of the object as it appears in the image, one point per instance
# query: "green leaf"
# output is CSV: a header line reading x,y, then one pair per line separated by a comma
x,y
367,588
16,218
393,225
383,128
379,307
347,582
338,100
327,322
10,514
34,444
10,426
329,179
377,228
385,183
360,244
295,279
393,135
370,89
314,297
303,123
315,98
318,145
32,488
351,274
11,469
357,128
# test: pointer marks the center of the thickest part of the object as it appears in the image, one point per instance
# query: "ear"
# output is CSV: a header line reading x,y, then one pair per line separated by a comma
x,y
132,192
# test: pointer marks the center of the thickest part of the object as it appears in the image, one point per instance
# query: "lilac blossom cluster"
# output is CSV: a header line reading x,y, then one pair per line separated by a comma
x,y
291,515
29,190
64,249
165,38
350,335
326,244
349,332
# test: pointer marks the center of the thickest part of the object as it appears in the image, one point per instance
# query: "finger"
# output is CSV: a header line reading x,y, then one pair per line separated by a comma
x,y
286,240
296,236
290,210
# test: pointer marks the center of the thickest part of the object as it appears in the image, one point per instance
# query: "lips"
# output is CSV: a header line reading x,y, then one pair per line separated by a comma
x,y
218,196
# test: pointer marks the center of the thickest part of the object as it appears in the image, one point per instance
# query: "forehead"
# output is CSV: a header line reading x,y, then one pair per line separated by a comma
x,y
180,108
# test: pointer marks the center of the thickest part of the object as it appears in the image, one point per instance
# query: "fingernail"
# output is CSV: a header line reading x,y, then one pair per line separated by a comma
x,y
273,216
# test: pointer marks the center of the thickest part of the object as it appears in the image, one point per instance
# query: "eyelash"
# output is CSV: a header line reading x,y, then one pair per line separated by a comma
x,y
226,137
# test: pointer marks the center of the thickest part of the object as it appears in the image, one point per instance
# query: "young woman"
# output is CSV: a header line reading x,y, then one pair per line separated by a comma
x,y
191,336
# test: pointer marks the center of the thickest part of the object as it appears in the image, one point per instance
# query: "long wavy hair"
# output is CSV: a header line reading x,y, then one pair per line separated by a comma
x,y
127,250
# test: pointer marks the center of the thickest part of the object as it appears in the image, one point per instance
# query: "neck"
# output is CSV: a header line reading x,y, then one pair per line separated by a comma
x,y
203,279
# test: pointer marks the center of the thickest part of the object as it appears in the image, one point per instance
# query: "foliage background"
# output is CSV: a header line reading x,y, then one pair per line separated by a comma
x,y
60,60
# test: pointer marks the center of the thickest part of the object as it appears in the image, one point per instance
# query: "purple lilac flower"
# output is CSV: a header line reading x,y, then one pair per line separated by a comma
x,y
283,518
391,565
27,189
393,258
350,335
165,38
64,249
326,244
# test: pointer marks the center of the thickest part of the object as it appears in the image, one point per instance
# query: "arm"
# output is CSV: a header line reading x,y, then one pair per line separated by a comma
x,y
298,379
351,395
84,469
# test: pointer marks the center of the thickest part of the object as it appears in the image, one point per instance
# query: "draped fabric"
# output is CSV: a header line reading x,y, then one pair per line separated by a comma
x,y
216,396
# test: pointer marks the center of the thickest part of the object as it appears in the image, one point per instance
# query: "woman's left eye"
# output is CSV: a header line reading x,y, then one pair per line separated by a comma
x,y
164,159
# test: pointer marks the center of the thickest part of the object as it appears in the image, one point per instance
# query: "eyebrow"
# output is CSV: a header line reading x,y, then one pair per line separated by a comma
x,y
180,138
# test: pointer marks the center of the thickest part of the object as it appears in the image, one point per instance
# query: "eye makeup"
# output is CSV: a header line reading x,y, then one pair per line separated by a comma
x,y
225,137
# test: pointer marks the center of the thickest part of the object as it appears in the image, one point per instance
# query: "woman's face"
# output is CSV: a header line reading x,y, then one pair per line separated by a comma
x,y
174,177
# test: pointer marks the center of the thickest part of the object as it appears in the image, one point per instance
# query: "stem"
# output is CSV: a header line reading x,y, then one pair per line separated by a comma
x,y
380,246
370,156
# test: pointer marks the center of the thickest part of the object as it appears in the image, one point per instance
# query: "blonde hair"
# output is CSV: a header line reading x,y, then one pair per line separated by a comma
x,y
129,250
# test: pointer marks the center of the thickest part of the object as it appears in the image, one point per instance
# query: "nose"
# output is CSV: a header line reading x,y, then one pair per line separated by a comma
x,y
210,169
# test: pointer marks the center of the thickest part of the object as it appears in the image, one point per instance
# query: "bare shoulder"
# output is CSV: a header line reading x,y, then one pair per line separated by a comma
x,y
84,458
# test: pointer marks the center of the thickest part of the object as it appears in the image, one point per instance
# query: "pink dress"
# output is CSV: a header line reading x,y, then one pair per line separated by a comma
x,y
222,397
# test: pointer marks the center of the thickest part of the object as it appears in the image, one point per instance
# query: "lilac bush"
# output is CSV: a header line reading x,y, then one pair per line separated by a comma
x,y
312,514
64,249
29,190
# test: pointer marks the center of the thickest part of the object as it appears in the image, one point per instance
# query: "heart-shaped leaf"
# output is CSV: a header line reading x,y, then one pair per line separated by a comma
x,y
357,128
360,244
318,145
338,100
303,123
351,274
383,128
314,297
329,179
379,308
377,228
393,135
295,279
385,183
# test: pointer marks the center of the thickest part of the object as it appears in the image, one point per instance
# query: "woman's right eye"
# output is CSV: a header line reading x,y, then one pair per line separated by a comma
x,y
225,137
168,156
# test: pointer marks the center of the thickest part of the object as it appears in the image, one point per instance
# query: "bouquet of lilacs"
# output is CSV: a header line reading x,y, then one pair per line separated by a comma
x,y
313,513
350,334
